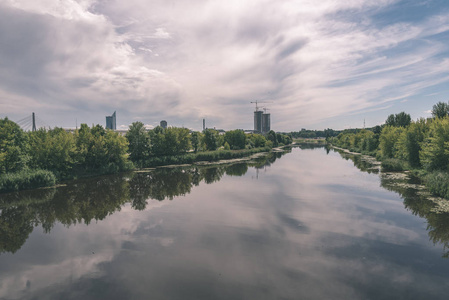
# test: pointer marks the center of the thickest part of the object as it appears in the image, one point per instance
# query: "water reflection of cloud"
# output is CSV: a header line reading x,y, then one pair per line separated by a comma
x,y
291,234
69,254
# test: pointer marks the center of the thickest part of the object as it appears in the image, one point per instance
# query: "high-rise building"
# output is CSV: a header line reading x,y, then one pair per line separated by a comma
x,y
266,123
204,124
164,124
258,121
111,122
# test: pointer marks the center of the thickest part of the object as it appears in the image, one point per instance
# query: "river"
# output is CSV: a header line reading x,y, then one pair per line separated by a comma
x,y
306,224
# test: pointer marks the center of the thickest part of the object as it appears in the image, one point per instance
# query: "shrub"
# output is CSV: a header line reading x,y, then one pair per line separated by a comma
x,y
393,164
438,183
26,179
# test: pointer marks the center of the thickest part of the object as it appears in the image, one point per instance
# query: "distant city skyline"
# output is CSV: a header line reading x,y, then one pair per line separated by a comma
x,y
320,64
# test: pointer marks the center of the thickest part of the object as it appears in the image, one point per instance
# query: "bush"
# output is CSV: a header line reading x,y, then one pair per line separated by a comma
x,y
393,164
438,183
26,179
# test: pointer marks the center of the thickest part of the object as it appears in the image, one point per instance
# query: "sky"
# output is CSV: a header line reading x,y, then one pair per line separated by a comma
x,y
312,64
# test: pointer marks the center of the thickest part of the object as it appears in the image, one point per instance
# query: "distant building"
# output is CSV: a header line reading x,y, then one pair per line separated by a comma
x,y
266,123
204,124
111,122
258,121
164,124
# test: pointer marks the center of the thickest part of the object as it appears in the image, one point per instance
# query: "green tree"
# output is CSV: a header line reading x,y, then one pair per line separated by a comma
x,y
183,140
100,150
195,139
272,137
440,110
116,147
401,119
139,142
390,121
211,139
13,147
236,139
169,141
257,140
53,150
435,148
83,138
388,141
410,141
157,139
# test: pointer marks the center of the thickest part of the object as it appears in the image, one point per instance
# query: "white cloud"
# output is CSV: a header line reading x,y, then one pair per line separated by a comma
x,y
185,60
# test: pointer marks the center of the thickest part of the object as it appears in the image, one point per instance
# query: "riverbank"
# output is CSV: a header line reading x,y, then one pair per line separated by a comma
x,y
435,184
31,179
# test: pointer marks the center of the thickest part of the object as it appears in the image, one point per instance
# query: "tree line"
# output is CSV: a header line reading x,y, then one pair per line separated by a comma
x,y
42,157
403,144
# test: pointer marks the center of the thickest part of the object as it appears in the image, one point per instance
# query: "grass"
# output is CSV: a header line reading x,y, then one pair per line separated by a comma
x,y
393,165
26,179
190,158
438,183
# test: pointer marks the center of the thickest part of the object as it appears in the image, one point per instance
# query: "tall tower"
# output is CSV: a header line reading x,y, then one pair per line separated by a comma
x,y
266,123
258,121
34,121
111,122
204,124
163,124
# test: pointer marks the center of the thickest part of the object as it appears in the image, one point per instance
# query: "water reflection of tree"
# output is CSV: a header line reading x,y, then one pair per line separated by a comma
x,y
237,169
359,161
415,201
18,217
82,201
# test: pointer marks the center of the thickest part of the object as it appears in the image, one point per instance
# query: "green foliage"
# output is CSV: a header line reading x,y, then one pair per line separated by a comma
x,y
169,141
13,147
88,150
271,136
100,151
211,139
53,150
387,141
138,142
440,110
256,140
279,139
438,183
236,139
363,141
26,179
410,141
393,164
195,139
435,148
398,120
310,134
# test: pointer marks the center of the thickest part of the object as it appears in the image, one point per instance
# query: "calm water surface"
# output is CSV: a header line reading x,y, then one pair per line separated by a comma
x,y
305,225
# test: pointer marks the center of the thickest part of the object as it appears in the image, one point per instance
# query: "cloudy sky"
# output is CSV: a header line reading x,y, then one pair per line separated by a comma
x,y
317,64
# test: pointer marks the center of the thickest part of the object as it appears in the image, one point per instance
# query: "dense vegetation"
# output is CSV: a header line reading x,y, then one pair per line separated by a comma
x,y
401,144
308,134
39,158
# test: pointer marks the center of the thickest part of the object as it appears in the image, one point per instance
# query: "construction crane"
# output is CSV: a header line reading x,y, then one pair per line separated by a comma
x,y
257,107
